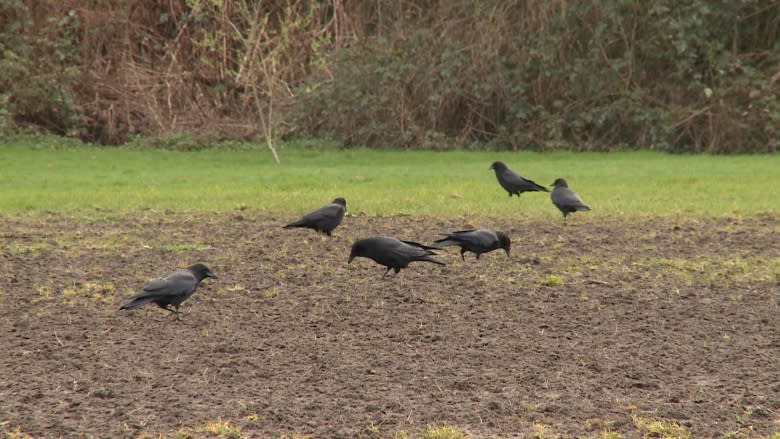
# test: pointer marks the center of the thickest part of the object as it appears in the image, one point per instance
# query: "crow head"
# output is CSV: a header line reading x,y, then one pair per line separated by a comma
x,y
505,242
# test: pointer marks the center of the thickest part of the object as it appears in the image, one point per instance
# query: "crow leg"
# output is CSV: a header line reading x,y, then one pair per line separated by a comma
x,y
174,310
462,253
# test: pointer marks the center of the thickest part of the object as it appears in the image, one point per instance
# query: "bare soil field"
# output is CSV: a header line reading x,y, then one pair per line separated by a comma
x,y
597,326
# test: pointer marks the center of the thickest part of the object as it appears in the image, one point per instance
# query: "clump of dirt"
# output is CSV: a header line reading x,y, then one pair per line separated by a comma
x,y
585,328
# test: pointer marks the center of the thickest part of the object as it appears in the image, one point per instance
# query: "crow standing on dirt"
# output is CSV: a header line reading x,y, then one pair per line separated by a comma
x,y
392,253
565,199
325,219
171,289
513,183
477,241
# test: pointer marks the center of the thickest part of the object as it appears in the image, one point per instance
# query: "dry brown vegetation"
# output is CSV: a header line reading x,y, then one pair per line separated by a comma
x,y
698,76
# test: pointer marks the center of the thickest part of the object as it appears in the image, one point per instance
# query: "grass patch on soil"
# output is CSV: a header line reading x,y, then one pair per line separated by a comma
x,y
650,427
727,272
40,174
16,433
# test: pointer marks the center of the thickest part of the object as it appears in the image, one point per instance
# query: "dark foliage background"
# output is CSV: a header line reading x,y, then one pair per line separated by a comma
x,y
696,75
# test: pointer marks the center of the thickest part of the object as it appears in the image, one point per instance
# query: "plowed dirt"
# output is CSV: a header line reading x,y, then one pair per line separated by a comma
x,y
596,326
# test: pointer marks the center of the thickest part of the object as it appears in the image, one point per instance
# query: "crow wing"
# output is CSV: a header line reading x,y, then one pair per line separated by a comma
x,y
392,252
565,198
475,240
326,218
481,238
179,283
513,182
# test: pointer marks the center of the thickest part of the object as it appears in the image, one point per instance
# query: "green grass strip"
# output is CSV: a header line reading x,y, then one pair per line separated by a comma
x,y
39,174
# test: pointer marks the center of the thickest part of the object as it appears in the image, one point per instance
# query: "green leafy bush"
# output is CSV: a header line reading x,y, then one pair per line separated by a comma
x,y
549,75
36,70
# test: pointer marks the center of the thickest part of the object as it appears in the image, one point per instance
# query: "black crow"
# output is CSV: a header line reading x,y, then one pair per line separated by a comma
x,y
325,219
513,183
565,199
477,241
171,289
392,253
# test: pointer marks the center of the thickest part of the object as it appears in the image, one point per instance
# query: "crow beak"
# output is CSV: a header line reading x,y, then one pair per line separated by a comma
x,y
507,252
212,274
351,257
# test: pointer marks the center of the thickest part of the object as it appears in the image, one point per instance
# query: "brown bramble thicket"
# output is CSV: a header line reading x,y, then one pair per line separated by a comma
x,y
699,76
